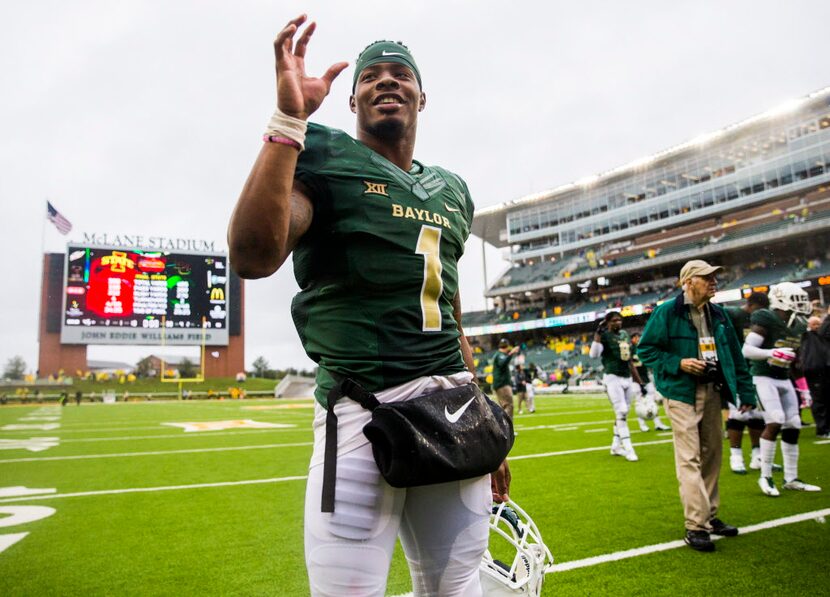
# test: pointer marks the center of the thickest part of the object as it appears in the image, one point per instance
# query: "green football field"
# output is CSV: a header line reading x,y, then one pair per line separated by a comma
x,y
126,499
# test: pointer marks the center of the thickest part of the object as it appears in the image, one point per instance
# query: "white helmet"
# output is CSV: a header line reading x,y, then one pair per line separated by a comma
x,y
515,538
645,407
790,297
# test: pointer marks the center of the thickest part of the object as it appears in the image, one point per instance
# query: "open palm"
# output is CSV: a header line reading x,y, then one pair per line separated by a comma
x,y
299,95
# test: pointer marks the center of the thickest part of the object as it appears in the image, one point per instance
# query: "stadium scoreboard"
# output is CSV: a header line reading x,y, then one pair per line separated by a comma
x,y
116,295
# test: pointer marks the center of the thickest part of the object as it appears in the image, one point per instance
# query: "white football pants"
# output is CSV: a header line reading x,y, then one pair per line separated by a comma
x,y
444,528
779,401
621,391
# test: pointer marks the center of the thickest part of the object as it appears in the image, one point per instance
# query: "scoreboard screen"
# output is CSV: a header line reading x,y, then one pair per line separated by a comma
x,y
133,296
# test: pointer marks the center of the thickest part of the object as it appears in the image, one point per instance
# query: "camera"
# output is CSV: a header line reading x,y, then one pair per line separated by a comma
x,y
712,374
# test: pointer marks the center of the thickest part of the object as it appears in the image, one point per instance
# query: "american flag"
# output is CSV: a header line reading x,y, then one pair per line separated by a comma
x,y
61,223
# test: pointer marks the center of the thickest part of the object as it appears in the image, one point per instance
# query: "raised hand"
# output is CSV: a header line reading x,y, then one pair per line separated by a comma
x,y
299,95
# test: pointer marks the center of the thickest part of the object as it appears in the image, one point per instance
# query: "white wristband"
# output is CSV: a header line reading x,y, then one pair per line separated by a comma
x,y
283,125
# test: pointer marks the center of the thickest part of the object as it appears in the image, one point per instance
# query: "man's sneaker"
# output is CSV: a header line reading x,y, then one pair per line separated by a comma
x,y
767,486
618,451
699,540
799,485
644,428
823,436
631,455
777,468
721,528
736,463
661,427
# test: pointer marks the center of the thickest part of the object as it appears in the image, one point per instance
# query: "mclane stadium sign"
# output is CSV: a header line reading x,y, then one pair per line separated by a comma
x,y
153,243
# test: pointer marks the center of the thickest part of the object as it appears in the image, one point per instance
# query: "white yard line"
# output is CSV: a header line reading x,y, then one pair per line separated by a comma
x,y
274,446
58,496
581,450
184,435
539,414
560,425
257,481
156,453
817,515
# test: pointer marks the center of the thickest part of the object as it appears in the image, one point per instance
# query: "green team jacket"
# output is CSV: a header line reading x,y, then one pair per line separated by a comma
x,y
670,336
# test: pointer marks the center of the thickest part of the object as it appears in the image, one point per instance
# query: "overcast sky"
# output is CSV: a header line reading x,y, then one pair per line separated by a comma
x,y
144,117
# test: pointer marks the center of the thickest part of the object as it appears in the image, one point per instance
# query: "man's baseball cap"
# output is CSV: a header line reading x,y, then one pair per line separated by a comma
x,y
697,267
504,343
385,51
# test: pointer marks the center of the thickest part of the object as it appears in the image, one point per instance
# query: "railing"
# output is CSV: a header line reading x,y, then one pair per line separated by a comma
x,y
817,222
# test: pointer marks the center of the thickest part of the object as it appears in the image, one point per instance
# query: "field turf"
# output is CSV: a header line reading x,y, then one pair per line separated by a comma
x,y
125,504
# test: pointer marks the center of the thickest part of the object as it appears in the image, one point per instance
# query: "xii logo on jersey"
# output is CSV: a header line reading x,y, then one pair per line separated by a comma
x,y
375,188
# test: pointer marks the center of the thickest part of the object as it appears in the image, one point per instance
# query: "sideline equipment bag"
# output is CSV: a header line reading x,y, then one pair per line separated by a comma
x,y
445,436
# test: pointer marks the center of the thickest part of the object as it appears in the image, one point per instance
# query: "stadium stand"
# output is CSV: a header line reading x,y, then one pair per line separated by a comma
x,y
754,197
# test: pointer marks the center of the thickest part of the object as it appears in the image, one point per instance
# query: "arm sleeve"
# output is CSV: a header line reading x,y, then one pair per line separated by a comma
x,y
752,347
596,350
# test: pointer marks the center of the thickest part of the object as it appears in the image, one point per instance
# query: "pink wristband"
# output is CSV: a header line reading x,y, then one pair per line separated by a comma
x,y
281,140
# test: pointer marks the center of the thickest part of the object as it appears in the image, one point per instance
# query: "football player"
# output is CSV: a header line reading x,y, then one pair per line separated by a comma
x,y
621,380
376,237
775,335
502,379
753,420
648,389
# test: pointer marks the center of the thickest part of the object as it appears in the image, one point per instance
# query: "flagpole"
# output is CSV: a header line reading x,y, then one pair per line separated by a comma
x,y
39,303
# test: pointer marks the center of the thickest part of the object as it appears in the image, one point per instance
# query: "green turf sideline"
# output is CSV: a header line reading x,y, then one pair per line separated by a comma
x,y
817,515
272,480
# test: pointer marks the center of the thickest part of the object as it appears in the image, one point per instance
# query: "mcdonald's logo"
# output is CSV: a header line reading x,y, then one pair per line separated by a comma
x,y
217,294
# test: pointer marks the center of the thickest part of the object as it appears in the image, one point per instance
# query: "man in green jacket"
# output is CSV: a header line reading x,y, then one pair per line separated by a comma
x,y
696,358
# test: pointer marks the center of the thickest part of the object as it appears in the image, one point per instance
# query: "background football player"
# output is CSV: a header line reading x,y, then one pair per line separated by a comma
x,y
621,380
752,420
775,335
648,389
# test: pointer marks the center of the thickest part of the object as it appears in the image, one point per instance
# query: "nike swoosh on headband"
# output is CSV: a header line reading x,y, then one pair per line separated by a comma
x,y
452,418
385,53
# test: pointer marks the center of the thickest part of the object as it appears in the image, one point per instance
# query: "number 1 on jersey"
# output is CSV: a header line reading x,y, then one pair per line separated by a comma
x,y
429,245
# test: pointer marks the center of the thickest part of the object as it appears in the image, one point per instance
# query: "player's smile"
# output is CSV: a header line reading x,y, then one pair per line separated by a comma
x,y
387,101
387,93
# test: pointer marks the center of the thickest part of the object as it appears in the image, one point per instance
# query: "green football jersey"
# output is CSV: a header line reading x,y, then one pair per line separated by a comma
x,y
616,353
501,369
378,267
740,320
778,335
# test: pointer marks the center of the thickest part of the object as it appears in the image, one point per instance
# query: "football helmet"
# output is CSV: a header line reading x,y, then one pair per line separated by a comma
x,y
515,538
645,407
790,297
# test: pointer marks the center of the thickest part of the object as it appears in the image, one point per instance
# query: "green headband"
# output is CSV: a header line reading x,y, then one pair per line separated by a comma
x,y
385,51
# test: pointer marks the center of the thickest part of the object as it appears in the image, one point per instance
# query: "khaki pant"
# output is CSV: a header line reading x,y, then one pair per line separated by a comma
x,y
505,396
698,443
